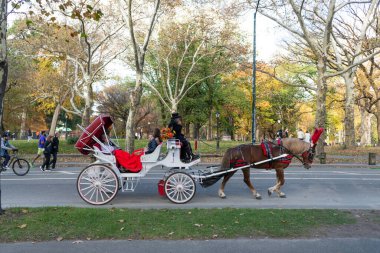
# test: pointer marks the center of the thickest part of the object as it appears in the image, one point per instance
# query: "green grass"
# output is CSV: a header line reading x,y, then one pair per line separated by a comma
x,y
42,224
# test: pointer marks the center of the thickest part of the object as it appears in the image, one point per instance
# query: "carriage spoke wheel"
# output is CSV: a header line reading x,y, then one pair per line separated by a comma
x,y
180,188
97,184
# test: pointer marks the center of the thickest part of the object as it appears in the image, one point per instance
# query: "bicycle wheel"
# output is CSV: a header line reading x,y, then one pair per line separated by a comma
x,y
20,167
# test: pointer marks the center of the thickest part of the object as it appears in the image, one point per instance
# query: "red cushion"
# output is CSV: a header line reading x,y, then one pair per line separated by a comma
x,y
130,162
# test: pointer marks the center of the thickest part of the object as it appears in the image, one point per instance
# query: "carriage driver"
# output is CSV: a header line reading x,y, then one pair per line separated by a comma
x,y
176,126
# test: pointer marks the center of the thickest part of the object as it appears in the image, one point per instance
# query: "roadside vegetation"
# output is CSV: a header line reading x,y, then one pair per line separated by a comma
x,y
67,223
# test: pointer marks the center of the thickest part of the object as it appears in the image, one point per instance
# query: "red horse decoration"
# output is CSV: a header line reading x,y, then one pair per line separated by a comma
x,y
248,154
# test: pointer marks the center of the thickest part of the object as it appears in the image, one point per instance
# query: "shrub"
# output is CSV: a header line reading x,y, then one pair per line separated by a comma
x,y
72,140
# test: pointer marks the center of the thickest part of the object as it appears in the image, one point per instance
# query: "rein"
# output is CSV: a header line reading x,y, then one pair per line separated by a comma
x,y
288,151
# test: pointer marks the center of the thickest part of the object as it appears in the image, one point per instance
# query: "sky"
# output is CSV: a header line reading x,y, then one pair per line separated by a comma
x,y
268,35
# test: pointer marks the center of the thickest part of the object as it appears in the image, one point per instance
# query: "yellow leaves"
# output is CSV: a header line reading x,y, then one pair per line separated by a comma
x,y
59,238
22,226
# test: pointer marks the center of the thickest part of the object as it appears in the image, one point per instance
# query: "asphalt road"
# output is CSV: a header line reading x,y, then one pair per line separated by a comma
x,y
337,245
341,187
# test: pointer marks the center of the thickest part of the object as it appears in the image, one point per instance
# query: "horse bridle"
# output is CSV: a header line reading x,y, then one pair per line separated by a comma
x,y
310,151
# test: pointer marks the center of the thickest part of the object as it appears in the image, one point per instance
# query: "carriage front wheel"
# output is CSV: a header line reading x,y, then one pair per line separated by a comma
x,y
180,187
97,184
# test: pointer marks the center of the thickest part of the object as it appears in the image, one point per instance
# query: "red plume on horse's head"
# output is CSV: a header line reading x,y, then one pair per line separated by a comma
x,y
316,134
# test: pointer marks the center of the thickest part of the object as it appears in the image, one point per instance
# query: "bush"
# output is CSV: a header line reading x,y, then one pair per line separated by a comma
x,y
72,140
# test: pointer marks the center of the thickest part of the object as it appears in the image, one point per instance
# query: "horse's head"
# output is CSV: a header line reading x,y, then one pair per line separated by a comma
x,y
308,157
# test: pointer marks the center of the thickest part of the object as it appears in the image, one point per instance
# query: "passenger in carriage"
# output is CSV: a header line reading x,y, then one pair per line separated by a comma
x,y
154,141
176,126
107,145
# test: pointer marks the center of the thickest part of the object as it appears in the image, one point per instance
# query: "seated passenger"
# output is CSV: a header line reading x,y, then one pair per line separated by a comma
x,y
107,145
154,141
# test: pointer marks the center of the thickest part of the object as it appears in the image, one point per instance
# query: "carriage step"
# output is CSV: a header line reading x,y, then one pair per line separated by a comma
x,y
130,184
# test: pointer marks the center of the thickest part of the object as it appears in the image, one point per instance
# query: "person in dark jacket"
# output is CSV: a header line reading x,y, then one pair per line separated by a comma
x,y
54,150
154,141
47,153
176,126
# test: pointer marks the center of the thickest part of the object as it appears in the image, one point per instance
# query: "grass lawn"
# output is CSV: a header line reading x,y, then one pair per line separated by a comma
x,y
66,223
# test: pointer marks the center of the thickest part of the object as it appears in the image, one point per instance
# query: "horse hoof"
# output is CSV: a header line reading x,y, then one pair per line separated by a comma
x,y
282,195
258,196
269,193
222,195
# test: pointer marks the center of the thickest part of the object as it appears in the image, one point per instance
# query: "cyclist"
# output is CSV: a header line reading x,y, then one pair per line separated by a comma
x,y
5,146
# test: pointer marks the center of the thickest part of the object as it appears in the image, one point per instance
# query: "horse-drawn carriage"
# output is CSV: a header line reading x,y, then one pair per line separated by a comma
x,y
99,182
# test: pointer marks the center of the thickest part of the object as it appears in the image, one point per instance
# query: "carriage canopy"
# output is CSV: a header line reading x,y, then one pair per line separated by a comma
x,y
94,131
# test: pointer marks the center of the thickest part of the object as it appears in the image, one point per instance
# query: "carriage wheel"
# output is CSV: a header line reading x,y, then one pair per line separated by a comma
x,y
97,184
180,187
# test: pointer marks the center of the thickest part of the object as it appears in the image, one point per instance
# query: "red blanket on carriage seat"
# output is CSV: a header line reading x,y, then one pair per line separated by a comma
x,y
131,162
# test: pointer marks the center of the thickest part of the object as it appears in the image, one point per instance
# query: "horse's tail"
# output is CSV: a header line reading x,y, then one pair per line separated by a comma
x,y
226,160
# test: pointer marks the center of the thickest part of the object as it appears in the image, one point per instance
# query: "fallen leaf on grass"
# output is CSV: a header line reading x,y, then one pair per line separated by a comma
x,y
171,233
214,236
121,221
121,229
22,226
24,211
198,225
60,238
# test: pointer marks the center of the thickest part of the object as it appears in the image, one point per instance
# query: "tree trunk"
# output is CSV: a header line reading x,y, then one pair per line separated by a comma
x,y
349,119
53,125
3,59
377,115
135,97
209,131
320,116
365,128
23,124
89,102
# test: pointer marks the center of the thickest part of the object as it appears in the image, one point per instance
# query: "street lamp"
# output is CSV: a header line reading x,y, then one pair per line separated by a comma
x,y
254,77
217,130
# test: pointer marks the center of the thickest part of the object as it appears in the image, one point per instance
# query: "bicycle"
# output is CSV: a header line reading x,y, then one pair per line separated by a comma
x,y
19,166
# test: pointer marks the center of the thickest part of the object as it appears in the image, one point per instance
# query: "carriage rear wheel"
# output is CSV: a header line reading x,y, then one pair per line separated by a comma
x,y
97,184
180,187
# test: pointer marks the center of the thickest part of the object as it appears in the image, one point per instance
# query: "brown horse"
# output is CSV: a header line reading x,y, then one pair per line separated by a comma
x,y
250,154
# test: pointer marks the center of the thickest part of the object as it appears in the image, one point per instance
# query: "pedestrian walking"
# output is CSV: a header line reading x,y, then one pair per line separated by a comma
x,y
300,134
54,151
29,135
48,147
41,143
307,136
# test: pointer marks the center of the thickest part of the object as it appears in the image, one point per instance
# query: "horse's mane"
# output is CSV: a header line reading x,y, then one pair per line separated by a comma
x,y
296,146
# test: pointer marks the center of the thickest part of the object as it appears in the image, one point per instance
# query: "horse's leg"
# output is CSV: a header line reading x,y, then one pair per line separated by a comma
x,y
248,182
280,182
223,184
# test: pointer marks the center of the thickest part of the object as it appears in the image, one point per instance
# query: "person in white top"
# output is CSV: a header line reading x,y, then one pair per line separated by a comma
x,y
107,145
300,134
307,136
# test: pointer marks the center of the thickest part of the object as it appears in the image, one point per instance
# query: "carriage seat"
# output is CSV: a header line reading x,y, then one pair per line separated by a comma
x,y
152,157
104,156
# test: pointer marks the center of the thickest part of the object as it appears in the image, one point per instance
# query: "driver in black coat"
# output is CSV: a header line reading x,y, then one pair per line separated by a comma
x,y
176,126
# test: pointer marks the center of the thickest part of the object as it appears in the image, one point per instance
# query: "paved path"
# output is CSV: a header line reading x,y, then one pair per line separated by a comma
x,y
341,187
349,245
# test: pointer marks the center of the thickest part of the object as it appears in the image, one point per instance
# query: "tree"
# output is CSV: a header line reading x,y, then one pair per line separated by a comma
x,y
349,48
311,27
140,46
184,48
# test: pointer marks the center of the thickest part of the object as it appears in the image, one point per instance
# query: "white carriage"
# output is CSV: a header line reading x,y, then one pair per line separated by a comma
x,y
100,181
